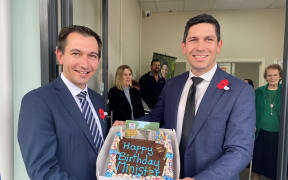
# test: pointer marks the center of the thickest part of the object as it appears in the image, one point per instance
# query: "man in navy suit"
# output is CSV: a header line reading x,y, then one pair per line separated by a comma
x,y
219,142
56,140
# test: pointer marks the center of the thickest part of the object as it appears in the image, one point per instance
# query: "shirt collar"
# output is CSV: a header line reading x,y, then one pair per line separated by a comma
x,y
75,90
206,76
151,74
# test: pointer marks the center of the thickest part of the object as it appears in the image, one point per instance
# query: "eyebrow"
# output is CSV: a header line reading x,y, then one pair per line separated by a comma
x,y
197,37
77,50
74,50
93,53
211,36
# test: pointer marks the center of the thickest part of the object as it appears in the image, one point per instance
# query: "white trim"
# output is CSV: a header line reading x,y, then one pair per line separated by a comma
x,y
261,61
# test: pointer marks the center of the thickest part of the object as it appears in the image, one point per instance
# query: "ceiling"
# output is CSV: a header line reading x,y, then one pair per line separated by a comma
x,y
157,6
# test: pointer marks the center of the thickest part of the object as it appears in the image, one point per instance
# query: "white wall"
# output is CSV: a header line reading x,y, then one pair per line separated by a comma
x,y
246,34
114,39
131,23
124,33
6,111
89,13
26,64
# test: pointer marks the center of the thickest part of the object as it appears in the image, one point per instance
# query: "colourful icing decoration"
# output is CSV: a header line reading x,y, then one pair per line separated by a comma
x,y
141,159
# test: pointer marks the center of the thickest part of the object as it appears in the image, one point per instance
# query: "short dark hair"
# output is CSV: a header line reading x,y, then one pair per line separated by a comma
x,y
202,18
164,64
154,60
273,66
85,31
249,81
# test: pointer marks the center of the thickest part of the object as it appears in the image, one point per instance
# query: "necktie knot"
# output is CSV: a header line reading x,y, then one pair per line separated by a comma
x,y
82,95
196,80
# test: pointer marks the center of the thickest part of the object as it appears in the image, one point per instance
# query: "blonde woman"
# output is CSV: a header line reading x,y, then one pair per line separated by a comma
x,y
125,100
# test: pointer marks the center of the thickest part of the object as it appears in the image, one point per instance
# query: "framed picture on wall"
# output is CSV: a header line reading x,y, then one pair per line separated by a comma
x,y
167,64
227,67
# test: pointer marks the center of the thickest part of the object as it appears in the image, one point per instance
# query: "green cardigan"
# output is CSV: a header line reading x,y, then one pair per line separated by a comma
x,y
261,105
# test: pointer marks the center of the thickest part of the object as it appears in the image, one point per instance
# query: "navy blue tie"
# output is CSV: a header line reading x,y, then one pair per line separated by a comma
x,y
91,121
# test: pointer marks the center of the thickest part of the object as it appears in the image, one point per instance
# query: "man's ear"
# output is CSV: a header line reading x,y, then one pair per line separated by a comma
x,y
183,47
59,56
219,46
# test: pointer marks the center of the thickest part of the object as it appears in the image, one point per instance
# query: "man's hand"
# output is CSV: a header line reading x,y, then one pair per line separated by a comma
x,y
118,123
187,178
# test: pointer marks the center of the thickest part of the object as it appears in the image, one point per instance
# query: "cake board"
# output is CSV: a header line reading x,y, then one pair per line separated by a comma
x,y
103,156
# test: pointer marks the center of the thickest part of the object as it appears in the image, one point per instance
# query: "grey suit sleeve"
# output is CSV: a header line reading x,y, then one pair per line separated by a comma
x,y
38,141
239,140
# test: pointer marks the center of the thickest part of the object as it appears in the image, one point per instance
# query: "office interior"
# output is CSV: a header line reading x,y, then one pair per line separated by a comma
x,y
252,31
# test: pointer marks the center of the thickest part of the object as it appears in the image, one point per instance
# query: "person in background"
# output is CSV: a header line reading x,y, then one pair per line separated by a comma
x,y
53,131
164,70
267,124
136,85
125,100
151,84
249,81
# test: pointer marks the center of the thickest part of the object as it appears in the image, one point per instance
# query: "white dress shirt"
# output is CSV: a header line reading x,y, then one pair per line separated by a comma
x,y
200,91
75,91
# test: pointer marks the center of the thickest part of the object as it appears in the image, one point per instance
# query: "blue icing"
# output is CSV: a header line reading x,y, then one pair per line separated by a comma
x,y
157,135
169,155
168,178
108,174
118,134
112,151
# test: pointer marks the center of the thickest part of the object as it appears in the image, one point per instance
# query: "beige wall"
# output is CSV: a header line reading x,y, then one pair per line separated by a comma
x,y
124,26
248,70
250,35
89,13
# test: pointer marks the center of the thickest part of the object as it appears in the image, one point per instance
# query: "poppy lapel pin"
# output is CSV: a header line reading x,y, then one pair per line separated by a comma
x,y
223,85
102,113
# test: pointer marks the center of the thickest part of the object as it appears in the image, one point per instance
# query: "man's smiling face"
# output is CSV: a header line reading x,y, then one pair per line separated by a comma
x,y
80,58
201,47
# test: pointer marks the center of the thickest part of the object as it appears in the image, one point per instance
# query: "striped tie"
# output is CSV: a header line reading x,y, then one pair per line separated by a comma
x,y
91,122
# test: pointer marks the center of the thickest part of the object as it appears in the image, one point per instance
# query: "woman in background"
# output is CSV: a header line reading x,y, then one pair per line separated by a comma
x,y
164,70
125,100
267,124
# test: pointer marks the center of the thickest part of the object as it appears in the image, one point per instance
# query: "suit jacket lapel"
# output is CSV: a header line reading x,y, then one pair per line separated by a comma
x,y
178,92
69,103
209,100
97,107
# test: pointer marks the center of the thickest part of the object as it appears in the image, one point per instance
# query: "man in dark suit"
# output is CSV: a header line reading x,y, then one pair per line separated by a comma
x,y
215,126
151,84
62,125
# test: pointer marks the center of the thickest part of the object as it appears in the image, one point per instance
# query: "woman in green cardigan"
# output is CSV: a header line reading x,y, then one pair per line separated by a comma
x,y
267,124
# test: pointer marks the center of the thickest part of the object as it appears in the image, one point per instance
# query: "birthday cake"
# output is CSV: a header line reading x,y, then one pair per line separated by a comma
x,y
141,158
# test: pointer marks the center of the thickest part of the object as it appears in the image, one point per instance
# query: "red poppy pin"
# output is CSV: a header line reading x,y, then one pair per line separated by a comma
x,y
223,85
101,113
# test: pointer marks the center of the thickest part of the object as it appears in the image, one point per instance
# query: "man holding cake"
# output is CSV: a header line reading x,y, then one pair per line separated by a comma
x,y
212,111
62,125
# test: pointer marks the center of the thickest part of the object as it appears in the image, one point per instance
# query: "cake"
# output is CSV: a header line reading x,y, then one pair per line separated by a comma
x,y
140,158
